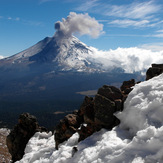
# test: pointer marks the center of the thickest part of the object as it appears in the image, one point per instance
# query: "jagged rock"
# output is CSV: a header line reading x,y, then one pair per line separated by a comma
x,y
87,110
66,128
95,113
87,130
104,110
126,86
119,104
110,92
153,71
74,150
18,138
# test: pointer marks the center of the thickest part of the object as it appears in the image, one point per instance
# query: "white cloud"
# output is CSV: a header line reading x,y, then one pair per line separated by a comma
x,y
1,57
44,1
139,14
129,59
81,24
9,18
128,22
160,31
134,10
160,35
88,5
153,46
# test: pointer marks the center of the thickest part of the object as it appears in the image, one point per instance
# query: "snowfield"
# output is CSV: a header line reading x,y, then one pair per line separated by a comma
x,y
138,139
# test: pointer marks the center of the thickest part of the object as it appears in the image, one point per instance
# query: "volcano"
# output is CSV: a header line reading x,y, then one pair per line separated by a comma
x,y
56,54
53,75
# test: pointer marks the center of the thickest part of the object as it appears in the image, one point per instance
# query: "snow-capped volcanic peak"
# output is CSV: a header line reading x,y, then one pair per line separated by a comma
x,y
72,53
67,53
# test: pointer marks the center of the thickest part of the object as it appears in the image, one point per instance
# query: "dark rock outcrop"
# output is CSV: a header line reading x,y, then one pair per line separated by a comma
x,y
104,110
86,111
153,71
126,88
94,114
67,127
18,138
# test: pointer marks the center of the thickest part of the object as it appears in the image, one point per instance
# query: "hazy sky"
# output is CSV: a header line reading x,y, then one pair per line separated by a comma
x,y
126,23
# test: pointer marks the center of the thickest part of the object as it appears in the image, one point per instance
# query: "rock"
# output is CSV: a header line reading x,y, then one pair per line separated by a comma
x,y
104,110
66,128
126,86
110,92
74,150
86,131
119,104
87,110
94,114
18,138
153,71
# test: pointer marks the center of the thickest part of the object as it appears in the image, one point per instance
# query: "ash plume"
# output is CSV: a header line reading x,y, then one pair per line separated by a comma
x,y
81,24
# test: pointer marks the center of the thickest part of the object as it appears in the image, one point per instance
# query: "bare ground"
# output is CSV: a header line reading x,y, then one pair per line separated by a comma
x,y
5,157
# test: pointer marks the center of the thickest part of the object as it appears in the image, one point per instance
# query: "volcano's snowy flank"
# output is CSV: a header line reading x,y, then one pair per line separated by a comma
x,y
138,139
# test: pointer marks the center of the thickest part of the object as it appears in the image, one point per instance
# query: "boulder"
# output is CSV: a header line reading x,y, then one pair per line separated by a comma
x,y
66,128
110,92
86,110
126,86
86,131
104,112
153,71
18,138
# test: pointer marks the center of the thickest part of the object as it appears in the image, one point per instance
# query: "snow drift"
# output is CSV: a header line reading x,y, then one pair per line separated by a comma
x,y
138,139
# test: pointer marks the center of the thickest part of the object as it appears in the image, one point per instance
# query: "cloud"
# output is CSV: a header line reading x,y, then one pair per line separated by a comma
x,y
159,34
1,57
88,5
128,59
139,14
128,22
81,24
160,31
135,10
44,1
153,46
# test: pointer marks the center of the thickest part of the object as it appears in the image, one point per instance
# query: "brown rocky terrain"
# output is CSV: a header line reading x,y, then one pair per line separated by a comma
x,y
5,156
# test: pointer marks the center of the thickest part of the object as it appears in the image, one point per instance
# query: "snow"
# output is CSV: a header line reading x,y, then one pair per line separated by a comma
x,y
138,139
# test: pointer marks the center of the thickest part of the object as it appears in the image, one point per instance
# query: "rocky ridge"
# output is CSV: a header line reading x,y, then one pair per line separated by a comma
x,y
94,114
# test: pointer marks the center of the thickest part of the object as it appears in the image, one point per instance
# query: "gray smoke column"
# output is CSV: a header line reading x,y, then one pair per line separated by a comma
x,y
81,24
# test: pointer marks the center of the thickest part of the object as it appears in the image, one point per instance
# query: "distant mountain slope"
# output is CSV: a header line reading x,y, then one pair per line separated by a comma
x,y
47,76
65,54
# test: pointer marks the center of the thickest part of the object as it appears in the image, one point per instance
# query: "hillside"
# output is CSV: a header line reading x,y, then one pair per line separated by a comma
x,y
138,138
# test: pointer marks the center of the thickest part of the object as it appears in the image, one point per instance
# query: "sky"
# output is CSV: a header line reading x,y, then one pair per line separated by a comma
x,y
125,24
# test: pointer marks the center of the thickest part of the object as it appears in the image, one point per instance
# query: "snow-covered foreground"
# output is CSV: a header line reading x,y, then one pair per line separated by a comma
x,y
138,139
